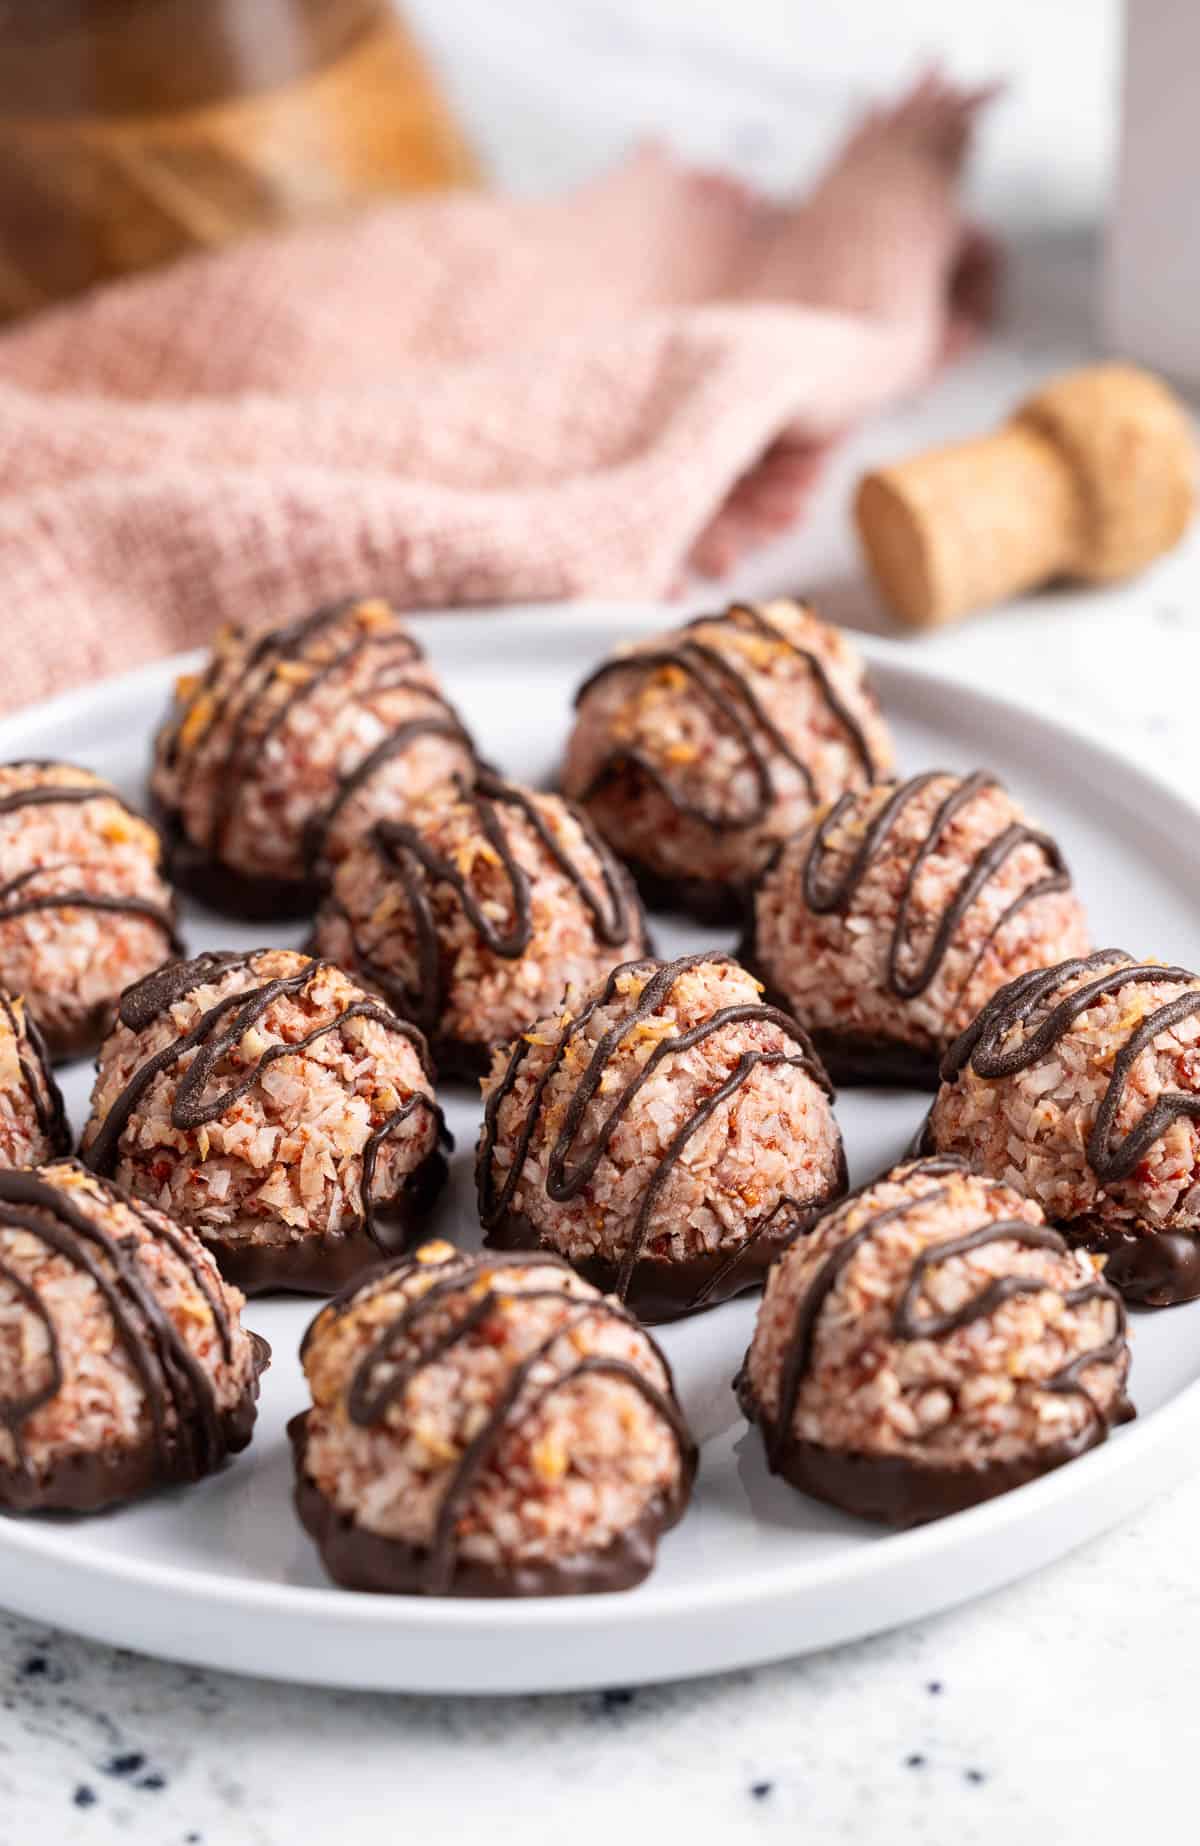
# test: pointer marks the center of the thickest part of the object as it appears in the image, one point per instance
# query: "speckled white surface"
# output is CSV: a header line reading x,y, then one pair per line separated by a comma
x,y
1062,1709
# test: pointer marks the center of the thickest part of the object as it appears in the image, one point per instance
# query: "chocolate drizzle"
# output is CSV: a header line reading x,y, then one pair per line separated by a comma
x,y
835,896
729,692
33,1061
983,1047
382,1377
405,855
16,898
1155,1265
239,704
906,1322
566,1181
190,1435
217,1033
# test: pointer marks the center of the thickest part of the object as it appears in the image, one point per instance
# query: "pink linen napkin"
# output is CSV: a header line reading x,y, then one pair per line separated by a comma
x,y
469,399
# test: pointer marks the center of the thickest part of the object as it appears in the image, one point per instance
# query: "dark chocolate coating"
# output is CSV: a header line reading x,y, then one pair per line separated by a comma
x,y
858,1058
1154,1265
232,894
660,1290
91,1483
189,1436
897,1491
854,1059
359,1559
730,694
407,858
1151,1268
33,1061
320,1265
876,1486
200,866
285,1265
709,900
564,1182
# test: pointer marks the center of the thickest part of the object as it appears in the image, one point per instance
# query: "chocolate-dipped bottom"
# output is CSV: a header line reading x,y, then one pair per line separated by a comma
x,y
857,1060
312,1265
497,1379
908,1360
714,902
93,1483
897,1491
660,1291
358,1559
227,892
128,1264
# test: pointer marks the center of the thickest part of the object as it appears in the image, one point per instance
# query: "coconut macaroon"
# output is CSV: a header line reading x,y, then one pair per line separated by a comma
x,y
268,1103
1081,1085
886,923
290,745
667,1133
487,1426
695,752
932,1343
33,1120
476,914
124,1365
84,907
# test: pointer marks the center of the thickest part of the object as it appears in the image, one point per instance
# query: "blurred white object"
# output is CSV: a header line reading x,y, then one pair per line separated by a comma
x,y
1152,269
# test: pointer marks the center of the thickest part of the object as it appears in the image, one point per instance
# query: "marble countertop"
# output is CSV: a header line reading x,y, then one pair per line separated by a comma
x,y
1060,1707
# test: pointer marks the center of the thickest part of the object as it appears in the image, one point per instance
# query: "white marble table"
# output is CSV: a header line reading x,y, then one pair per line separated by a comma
x,y
1059,1709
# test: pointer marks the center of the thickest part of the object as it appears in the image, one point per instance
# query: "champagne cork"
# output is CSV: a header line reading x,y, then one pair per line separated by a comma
x,y
1092,478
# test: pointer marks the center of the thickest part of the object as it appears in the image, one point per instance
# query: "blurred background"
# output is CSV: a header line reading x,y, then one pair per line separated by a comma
x,y
552,89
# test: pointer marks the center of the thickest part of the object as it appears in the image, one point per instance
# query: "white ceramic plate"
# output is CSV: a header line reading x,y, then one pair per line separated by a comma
x,y
221,1574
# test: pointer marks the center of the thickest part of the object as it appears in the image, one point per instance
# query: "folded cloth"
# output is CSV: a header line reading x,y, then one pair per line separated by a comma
x,y
471,399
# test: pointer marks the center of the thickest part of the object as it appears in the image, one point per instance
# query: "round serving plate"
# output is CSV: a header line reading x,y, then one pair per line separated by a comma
x,y
221,1574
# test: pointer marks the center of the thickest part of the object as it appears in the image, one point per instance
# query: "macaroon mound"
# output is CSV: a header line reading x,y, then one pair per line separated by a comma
x,y
1081,1084
487,1426
886,923
933,1343
290,745
124,1365
268,1103
33,1120
84,907
476,914
697,751
667,1133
